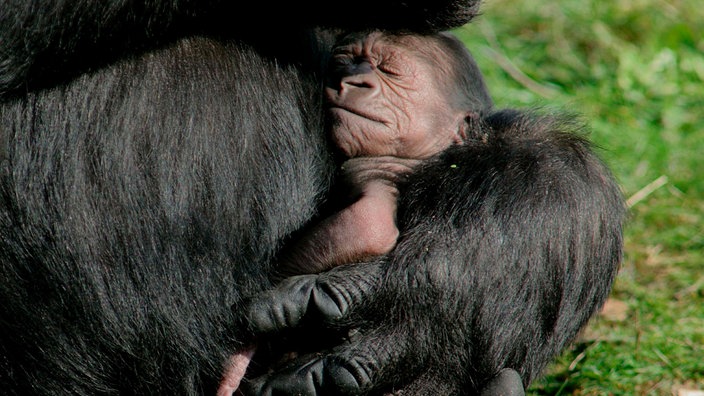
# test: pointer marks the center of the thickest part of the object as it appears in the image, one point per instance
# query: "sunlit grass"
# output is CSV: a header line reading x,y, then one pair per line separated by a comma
x,y
635,70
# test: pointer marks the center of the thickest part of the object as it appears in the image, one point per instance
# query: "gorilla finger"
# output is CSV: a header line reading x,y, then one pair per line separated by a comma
x,y
335,374
326,298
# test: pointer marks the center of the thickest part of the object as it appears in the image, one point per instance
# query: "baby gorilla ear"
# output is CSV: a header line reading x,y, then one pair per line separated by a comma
x,y
469,127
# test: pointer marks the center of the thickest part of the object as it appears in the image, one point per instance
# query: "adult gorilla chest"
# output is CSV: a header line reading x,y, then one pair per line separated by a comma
x,y
141,202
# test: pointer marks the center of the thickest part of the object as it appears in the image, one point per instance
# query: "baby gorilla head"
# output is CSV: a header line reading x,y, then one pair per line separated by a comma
x,y
402,95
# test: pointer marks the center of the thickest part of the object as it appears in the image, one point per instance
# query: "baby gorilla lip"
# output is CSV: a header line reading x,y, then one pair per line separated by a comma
x,y
337,110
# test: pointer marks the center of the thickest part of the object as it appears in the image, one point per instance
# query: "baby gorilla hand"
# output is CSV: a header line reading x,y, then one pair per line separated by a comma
x,y
364,228
359,172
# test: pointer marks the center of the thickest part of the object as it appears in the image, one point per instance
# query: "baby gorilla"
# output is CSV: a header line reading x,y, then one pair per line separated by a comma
x,y
394,100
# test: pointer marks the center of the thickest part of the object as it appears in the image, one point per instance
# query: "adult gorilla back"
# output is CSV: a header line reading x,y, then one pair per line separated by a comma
x,y
149,175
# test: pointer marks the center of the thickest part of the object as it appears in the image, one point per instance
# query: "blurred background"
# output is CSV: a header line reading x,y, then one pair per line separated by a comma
x,y
634,69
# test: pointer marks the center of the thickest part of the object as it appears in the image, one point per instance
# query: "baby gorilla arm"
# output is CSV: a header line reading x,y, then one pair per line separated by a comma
x,y
364,229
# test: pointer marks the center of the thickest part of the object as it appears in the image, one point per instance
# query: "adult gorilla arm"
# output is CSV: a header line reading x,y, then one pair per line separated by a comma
x,y
511,244
43,42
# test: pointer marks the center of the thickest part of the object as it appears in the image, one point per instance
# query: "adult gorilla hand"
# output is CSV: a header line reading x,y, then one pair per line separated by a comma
x,y
330,302
384,350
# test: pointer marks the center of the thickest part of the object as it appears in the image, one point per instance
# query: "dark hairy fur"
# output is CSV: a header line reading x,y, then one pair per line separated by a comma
x,y
148,176
46,41
517,236
138,206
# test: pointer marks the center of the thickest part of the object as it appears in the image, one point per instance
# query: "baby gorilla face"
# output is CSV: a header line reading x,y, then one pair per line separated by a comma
x,y
385,97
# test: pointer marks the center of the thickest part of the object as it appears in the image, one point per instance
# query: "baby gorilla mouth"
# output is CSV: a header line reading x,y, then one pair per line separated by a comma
x,y
341,111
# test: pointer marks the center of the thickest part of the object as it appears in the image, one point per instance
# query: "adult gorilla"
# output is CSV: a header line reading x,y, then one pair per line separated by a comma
x,y
150,174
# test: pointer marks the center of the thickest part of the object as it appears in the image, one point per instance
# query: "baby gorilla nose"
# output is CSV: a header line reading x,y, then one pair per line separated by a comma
x,y
353,72
351,67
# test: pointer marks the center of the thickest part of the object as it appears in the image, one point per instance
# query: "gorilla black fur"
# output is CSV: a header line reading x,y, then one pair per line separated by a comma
x,y
528,245
145,189
138,206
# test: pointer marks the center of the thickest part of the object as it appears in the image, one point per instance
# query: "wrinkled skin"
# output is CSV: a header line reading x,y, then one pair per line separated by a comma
x,y
386,97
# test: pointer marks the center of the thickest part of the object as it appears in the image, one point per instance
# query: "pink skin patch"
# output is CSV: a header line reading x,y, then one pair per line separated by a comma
x,y
234,371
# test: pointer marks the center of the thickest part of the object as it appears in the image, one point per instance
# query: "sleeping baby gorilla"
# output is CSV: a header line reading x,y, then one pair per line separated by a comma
x,y
395,100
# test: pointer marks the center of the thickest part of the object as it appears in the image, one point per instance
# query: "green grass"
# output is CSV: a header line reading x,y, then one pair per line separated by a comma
x,y
635,70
